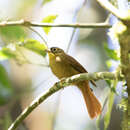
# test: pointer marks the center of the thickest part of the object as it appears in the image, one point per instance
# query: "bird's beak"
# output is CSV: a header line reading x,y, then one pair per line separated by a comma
x,y
47,50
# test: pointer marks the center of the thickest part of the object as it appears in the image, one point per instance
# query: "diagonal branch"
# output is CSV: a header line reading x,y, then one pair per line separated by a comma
x,y
59,85
37,24
112,9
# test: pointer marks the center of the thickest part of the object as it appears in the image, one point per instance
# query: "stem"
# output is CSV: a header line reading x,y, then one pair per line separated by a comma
x,y
33,30
71,39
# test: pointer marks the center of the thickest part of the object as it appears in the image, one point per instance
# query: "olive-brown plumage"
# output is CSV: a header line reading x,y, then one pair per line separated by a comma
x,y
63,65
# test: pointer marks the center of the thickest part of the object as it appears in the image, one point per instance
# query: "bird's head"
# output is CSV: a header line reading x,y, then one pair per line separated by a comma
x,y
55,51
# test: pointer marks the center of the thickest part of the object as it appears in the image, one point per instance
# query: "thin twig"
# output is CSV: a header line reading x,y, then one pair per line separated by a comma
x,y
59,85
71,39
108,18
38,35
37,24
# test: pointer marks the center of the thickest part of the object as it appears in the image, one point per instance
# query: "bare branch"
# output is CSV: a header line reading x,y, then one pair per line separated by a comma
x,y
37,24
59,85
71,39
112,9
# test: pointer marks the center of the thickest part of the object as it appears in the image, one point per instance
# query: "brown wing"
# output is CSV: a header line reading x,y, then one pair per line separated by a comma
x,y
75,64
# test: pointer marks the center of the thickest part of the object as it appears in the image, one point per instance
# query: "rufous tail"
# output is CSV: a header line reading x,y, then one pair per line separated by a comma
x,y
92,103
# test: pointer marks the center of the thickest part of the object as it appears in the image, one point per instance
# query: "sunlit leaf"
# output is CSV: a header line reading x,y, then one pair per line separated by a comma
x,y
113,54
35,46
110,85
6,53
46,1
125,118
109,63
123,104
49,19
12,34
6,90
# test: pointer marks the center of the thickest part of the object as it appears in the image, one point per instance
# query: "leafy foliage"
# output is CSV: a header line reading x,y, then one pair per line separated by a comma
x,y
6,89
109,101
123,104
46,1
110,85
34,46
111,96
13,50
108,113
6,53
12,34
49,19
113,54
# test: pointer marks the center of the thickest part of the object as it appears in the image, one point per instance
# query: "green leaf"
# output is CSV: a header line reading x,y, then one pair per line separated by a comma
x,y
109,63
110,104
99,118
6,90
113,54
6,53
123,104
110,85
12,33
46,1
48,19
109,100
35,46
108,113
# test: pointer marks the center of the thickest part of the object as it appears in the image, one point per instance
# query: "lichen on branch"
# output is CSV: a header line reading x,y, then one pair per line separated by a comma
x,y
59,85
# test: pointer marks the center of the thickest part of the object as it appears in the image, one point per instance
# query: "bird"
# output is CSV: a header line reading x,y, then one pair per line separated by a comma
x,y
62,66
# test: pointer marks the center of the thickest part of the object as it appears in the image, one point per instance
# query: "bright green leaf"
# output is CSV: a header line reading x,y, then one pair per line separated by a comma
x,y
109,63
46,1
12,34
35,46
110,85
6,53
113,54
6,90
123,104
49,19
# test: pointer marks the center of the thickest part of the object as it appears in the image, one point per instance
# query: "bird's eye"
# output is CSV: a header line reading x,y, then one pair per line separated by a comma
x,y
54,49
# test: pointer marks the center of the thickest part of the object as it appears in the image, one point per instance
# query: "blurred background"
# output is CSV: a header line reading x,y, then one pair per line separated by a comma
x,y
65,109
